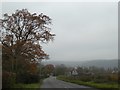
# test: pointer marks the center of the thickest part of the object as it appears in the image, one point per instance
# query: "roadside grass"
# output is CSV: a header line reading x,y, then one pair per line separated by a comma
x,y
110,86
34,86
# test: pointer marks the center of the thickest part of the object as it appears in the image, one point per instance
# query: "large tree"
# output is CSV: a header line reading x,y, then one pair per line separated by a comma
x,y
22,34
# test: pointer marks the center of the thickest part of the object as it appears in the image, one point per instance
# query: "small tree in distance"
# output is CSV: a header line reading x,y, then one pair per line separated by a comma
x,y
22,34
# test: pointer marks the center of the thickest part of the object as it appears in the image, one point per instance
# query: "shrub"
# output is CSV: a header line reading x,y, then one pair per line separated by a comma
x,y
28,78
8,79
113,77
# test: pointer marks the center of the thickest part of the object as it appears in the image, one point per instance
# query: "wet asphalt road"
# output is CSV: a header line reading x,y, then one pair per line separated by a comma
x,y
52,82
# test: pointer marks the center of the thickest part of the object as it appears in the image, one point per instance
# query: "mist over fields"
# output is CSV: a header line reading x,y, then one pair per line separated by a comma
x,y
97,63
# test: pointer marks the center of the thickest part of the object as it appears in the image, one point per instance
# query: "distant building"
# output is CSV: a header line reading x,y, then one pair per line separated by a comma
x,y
74,72
114,71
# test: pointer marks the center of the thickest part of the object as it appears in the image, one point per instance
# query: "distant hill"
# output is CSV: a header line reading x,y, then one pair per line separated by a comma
x,y
102,63
97,63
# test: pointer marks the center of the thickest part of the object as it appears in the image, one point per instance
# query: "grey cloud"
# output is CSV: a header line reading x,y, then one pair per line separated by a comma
x,y
83,30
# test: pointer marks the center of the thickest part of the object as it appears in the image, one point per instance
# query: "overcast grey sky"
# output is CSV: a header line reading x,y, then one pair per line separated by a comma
x,y
84,30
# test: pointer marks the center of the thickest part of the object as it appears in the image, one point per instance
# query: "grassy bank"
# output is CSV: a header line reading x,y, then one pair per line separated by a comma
x,y
110,86
34,86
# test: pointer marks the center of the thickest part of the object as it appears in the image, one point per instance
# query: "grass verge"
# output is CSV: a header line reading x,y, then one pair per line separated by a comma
x,y
112,86
34,86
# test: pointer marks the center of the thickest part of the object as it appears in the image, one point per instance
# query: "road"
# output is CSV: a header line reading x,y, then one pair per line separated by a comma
x,y
52,82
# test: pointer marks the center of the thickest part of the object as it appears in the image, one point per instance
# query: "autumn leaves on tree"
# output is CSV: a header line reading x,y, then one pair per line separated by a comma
x,y
22,34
